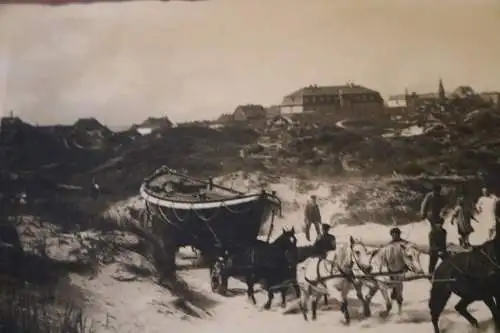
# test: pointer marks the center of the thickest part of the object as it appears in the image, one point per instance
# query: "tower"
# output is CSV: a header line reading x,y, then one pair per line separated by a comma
x,y
441,92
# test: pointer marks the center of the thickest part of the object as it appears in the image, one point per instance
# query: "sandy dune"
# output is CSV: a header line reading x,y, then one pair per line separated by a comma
x,y
142,306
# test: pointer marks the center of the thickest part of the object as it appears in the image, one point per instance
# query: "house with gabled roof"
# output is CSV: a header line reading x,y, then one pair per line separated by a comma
x,y
344,101
249,112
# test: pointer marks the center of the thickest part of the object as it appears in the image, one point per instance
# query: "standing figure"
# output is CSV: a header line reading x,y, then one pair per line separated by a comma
x,y
396,239
312,216
486,205
463,214
396,236
95,189
326,243
432,209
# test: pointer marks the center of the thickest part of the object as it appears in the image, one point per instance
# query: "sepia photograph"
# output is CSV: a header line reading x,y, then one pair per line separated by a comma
x,y
243,166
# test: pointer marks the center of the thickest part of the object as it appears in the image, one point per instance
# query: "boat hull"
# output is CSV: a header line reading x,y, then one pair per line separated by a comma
x,y
227,225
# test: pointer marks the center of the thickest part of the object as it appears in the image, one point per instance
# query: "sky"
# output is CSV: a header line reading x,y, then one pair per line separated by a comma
x,y
123,62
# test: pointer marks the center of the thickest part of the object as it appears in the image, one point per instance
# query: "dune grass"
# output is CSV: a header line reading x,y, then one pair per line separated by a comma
x,y
29,309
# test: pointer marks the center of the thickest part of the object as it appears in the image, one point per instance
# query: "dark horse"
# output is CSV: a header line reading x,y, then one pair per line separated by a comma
x,y
472,276
273,263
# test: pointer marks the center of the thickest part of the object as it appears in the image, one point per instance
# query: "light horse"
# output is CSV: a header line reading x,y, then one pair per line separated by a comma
x,y
396,259
335,271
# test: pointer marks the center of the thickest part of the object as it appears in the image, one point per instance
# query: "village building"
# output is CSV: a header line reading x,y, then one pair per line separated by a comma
x,y
412,101
346,101
249,112
398,101
152,124
492,97
273,111
280,123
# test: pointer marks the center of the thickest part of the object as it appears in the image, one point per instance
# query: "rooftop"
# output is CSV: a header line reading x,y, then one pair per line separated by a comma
x,y
349,89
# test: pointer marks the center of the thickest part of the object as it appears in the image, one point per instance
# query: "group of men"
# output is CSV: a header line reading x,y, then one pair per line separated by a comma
x,y
433,209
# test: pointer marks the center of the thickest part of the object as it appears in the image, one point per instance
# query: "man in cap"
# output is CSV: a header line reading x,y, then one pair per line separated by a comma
x,y
432,209
324,244
312,216
327,242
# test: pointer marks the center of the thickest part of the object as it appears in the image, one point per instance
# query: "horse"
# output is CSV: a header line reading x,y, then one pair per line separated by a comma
x,y
396,259
335,271
274,263
472,276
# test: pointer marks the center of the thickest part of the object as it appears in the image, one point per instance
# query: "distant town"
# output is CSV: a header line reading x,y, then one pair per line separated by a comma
x,y
351,101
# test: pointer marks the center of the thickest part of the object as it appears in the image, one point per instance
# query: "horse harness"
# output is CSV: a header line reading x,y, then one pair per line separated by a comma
x,y
350,276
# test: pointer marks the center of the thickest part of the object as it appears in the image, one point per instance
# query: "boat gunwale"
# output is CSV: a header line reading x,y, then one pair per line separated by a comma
x,y
209,204
231,200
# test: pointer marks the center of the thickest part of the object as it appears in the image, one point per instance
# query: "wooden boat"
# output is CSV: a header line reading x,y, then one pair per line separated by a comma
x,y
203,214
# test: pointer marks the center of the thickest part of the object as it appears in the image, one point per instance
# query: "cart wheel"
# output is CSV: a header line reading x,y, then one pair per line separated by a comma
x,y
218,281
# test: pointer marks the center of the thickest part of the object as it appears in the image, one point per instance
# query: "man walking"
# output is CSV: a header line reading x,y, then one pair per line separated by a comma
x,y
312,216
486,205
463,214
432,210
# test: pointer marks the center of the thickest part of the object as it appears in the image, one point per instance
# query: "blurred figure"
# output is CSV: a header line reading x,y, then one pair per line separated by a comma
x,y
312,216
432,209
463,214
486,206
326,242
95,189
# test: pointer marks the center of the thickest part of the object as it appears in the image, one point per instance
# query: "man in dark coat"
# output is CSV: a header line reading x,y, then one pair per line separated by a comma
x,y
327,242
312,216
432,209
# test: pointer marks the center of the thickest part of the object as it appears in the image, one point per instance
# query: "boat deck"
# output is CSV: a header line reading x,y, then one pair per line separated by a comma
x,y
175,188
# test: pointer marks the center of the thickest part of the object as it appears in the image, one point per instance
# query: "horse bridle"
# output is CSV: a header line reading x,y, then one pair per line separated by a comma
x,y
354,261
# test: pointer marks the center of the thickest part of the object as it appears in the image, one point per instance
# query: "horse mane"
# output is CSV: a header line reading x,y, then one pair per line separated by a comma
x,y
390,252
342,255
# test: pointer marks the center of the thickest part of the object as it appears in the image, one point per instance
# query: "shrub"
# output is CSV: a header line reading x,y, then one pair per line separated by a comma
x,y
29,311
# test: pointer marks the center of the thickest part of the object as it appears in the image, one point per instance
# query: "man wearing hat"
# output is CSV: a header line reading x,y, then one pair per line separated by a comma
x,y
432,209
312,216
327,242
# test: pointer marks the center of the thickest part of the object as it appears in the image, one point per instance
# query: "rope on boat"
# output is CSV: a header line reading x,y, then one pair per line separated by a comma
x,y
177,216
217,211
206,219
271,227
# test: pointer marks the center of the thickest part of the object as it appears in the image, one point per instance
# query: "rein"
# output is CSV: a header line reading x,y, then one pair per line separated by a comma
x,y
350,276
490,259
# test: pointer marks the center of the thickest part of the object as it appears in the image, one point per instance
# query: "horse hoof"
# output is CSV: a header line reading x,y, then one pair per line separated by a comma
x,y
384,314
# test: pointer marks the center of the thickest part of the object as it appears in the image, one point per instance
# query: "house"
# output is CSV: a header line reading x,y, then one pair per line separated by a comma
x,y
463,92
249,112
346,101
492,97
224,118
273,111
152,124
280,123
397,101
